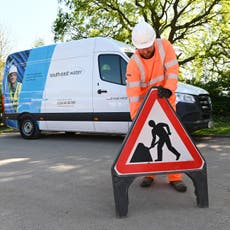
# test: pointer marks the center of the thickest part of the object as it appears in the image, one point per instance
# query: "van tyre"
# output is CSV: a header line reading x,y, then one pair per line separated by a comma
x,y
28,127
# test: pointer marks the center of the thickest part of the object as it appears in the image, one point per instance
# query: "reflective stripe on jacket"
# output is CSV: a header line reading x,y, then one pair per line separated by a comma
x,y
142,74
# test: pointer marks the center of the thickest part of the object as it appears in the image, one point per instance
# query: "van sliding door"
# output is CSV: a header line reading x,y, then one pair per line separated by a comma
x,y
110,102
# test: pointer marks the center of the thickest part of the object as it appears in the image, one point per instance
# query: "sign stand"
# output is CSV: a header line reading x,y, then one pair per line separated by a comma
x,y
120,190
200,183
121,185
180,154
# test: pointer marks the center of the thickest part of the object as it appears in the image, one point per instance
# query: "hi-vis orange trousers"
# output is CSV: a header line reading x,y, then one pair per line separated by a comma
x,y
171,177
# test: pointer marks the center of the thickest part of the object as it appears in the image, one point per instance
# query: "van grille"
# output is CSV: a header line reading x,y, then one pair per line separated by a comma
x,y
205,102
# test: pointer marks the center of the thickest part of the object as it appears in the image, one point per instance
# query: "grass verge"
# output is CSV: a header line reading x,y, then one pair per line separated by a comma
x,y
4,128
221,127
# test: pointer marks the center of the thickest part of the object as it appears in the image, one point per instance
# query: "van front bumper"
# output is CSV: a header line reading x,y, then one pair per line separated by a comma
x,y
194,116
196,125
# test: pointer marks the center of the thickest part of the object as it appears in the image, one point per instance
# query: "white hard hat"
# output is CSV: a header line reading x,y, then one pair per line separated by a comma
x,y
143,35
13,69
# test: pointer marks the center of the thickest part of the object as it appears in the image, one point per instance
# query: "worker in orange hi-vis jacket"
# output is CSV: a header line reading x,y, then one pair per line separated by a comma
x,y
154,63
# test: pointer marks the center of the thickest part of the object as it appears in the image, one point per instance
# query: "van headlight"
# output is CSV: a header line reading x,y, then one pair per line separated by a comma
x,y
181,97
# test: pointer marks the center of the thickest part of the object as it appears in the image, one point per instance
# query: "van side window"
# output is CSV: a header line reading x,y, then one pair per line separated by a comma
x,y
112,68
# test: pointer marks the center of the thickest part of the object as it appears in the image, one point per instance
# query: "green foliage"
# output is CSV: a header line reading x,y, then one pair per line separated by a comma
x,y
4,50
220,87
220,94
2,64
211,62
221,106
221,127
94,18
191,25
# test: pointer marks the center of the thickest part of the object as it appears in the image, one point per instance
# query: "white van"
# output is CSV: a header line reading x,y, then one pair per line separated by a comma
x,y
80,86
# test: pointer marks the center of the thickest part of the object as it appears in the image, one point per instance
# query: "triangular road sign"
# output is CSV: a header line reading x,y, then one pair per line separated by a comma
x,y
157,142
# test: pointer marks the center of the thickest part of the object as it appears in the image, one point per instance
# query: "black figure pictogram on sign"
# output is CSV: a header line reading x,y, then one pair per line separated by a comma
x,y
162,131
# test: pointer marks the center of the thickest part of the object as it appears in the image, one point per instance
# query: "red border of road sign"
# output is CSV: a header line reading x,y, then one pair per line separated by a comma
x,y
141,168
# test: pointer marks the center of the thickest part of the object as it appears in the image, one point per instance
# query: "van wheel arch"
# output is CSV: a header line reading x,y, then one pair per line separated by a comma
x,y
28,126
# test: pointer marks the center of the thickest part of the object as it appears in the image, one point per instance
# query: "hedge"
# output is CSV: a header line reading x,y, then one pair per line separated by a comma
x,y
221,106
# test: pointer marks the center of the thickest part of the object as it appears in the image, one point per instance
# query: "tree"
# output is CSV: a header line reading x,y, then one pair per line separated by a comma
x,y
211,66
198,29
4,50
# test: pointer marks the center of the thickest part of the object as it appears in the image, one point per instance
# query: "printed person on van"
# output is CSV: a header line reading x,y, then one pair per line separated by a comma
x,y
14,86
153,64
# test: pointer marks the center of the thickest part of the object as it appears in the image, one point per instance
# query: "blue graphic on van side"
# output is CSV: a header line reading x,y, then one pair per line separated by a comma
x,y
34,79
16,62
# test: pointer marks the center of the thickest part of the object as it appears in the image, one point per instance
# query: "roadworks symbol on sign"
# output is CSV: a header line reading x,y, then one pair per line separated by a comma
x,y
157,142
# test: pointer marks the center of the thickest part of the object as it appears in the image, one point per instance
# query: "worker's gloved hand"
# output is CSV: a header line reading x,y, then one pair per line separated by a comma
x,y
163,92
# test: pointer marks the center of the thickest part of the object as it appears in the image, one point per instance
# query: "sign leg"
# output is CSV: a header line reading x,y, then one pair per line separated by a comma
x,y
200,182
120,189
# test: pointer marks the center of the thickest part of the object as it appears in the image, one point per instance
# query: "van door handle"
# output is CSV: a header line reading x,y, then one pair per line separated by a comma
x,y
100,91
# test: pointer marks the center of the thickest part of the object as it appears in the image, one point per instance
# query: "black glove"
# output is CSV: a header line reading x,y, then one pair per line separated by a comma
x,y
163,92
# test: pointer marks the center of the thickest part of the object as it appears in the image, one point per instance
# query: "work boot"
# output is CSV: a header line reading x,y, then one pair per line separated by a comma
x,y
147,181
179,185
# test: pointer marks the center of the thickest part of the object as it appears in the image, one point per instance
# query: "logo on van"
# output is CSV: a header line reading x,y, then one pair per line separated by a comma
x,y
68,73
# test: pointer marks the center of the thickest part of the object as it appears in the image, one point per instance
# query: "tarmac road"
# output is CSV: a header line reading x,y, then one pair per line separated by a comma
x,y
62,182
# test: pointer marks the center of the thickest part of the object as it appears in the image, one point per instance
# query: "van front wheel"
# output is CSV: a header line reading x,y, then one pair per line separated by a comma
x,y
28,127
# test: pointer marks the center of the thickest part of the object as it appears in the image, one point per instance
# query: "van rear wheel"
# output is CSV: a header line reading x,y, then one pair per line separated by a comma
x,y
28,127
